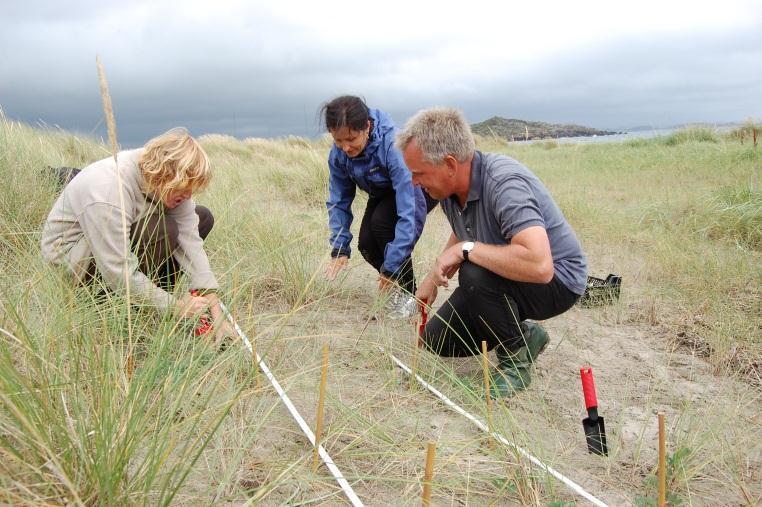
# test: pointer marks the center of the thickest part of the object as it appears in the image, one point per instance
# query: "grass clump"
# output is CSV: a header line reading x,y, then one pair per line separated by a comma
x,y
746,133
733,214
77,424
691,135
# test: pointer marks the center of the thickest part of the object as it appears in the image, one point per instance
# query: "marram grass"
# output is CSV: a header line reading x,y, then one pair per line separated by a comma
x,y
678,220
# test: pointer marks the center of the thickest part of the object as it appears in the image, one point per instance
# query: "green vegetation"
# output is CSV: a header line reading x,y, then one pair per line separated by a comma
x,y
691,134
678,218
520,130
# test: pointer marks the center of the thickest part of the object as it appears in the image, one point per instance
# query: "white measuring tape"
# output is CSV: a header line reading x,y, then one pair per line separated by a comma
x,y
297,417
447,401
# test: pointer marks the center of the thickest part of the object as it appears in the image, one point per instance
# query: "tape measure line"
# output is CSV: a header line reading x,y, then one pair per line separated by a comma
x,y
353,498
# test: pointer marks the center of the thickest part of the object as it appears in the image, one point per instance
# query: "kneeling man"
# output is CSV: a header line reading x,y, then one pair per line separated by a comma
x,y
518,257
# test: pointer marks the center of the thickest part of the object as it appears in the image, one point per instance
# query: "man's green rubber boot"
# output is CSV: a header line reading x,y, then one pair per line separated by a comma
x,y
512,373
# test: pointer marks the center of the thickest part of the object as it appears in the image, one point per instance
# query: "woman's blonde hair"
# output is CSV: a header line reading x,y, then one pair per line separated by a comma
x,y
174,161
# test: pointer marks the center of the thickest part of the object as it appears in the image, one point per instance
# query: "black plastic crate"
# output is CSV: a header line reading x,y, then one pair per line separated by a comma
x,y
601,292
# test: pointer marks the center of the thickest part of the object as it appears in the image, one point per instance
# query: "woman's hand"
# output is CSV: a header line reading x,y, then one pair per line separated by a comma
x,y
335,266
385,284
190,305
222,327
223,331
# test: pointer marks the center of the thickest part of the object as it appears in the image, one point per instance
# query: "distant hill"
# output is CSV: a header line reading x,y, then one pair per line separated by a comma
x,y
518,130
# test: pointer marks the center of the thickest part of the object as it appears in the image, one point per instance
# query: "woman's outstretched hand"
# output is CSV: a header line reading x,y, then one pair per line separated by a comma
x,y
335,266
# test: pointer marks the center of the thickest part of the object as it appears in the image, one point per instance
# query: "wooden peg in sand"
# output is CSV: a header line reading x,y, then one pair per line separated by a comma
x,y
321,404
428,473
662,463
485,368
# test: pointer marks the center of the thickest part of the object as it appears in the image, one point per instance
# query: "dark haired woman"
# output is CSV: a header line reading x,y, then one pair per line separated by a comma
x,y
363,156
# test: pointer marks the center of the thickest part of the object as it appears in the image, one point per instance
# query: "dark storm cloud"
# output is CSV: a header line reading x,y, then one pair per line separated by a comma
x,y
164,73
262,75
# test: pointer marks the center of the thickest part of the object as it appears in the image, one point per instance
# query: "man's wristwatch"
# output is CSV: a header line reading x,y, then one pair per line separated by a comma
x,y
467,247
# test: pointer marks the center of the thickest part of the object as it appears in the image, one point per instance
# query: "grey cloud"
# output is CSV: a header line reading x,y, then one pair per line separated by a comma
x,y
635,83
264,77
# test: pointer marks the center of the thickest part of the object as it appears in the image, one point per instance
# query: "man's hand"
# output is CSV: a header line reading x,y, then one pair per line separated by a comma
x,y
335,266
427,290
447,264
189,305
385,284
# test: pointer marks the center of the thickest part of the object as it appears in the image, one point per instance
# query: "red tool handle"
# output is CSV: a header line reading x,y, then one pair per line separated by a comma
x,y
204,326
424,318
588,387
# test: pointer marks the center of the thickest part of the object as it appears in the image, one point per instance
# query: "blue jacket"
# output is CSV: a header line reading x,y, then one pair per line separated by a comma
x,y
377,169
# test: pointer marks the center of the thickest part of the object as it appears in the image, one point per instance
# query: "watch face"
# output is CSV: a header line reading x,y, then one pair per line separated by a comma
x,y
467,247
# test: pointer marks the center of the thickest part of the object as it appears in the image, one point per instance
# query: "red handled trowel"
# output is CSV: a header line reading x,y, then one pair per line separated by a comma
x,y
204,325
424,319
595,431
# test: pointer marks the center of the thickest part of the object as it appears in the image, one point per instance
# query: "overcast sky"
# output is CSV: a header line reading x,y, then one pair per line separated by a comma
x,y
251,68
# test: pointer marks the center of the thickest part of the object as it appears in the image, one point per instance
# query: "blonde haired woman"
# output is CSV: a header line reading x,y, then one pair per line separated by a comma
x,y
133,225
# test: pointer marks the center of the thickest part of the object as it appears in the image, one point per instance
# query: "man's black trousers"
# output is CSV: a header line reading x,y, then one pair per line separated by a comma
x,y
487,307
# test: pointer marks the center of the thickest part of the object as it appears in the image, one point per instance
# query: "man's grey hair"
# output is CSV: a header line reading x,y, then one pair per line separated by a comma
x,y
438,132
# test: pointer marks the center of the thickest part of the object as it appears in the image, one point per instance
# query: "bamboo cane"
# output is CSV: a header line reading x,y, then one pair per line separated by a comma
x,y
662,463
414,363
257,379
321,404
254,361
485,368
428,473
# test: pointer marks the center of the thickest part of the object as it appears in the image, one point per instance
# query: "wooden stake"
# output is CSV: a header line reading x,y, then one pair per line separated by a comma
x,y
428,474
754,136
414,362
662,463
256,363
321,403
257,381
485,368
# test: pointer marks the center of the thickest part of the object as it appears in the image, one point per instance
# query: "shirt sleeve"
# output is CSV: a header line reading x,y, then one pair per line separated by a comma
x,y
516,206
190,251
341,193
405,232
